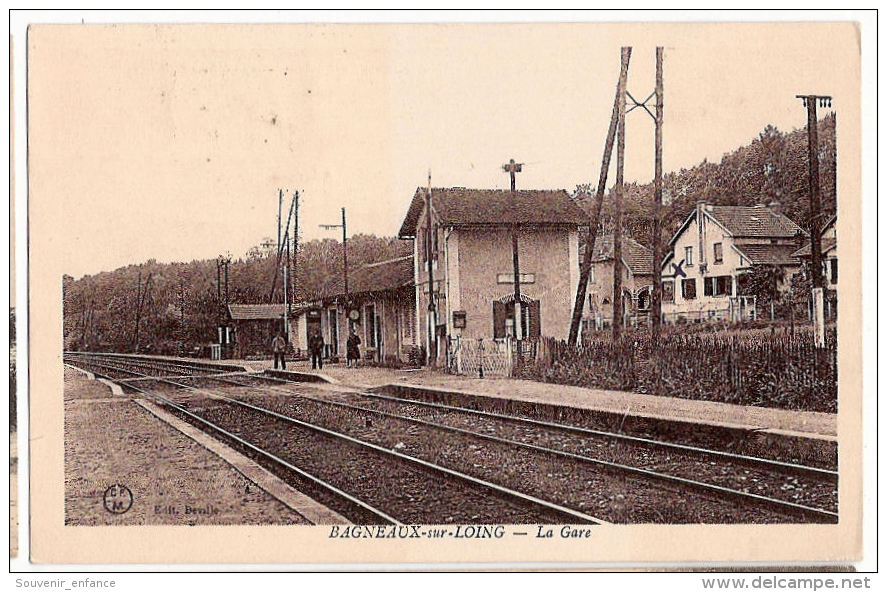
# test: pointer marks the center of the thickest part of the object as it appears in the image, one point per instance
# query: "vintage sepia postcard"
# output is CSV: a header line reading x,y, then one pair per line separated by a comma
x,y
472,293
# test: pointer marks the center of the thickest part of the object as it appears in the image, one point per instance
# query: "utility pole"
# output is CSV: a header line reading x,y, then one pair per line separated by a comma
x,y
656,296
344,260
595,218
181,316
430,241
512,168
141,295
295,240
617,222
815,214
222,263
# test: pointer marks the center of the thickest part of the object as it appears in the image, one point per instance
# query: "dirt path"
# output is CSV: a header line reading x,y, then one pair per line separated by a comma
x,y
173,480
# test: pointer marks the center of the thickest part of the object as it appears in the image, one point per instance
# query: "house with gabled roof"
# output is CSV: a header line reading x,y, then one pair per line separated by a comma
x,y
469,255
713,248
637,280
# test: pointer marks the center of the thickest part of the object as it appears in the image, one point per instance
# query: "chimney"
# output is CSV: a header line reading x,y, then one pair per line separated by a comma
x,y
700,225
775,207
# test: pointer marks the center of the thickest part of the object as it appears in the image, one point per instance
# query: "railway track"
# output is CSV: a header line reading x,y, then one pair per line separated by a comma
x,y
687,470
410,490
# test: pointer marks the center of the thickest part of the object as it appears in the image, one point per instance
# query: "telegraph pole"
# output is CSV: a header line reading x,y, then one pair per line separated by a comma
x,y
344,260
595,219
617,222
815,214
430,240
295,244
512,168
656,296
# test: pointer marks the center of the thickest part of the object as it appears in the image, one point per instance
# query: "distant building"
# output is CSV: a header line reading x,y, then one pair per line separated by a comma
x,y
471,259
253,326
713,248
637,280
829,248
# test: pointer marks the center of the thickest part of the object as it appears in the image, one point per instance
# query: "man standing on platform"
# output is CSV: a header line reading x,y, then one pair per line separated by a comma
x,y
315,345
278,345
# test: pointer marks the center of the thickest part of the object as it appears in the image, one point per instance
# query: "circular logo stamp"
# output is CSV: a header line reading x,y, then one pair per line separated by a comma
x,y
117,499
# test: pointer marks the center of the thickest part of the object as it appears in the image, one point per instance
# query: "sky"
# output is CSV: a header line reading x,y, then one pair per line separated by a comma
x,y
171,142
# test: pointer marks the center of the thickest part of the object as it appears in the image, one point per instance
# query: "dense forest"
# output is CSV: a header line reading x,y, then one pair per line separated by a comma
x,y
172,307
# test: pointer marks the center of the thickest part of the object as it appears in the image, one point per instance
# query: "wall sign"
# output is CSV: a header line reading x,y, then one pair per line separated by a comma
x,y
508,278
459,319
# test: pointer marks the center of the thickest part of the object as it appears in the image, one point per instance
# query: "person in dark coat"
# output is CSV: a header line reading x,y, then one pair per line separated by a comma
x,y
278,345
353,349
315,346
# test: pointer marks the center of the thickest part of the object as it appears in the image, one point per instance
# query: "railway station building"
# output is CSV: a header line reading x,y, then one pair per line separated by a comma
x,y
253,326
379,305
470,256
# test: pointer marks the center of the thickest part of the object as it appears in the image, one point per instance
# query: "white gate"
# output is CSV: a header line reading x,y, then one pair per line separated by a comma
x,y
482,357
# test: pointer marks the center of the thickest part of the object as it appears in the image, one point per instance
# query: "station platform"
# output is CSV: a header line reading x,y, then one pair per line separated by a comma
x,y
171,472
802,424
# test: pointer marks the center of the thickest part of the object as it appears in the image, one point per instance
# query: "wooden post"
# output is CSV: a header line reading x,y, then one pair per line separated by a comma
x,y
617,221
656,296
595,219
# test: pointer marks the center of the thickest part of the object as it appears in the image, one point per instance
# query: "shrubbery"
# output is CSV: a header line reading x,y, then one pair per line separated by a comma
x,y
761,368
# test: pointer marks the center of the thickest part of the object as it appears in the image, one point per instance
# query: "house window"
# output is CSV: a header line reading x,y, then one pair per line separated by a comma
x,y
688,256
644,299
721,285
688,289
668,291
724,285
719,252
834,271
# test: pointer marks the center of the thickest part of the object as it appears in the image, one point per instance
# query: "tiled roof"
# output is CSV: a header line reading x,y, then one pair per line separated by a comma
x,y
375,277
827,245
638,257
255,312
753,221
458,206
768,254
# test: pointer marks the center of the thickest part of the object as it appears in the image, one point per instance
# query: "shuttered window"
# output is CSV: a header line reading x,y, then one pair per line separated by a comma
x,y
500,312
688,289
668,291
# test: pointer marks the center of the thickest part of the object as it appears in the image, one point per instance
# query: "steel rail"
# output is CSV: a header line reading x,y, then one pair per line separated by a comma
x,y
510,493
267,454
826,475
775,503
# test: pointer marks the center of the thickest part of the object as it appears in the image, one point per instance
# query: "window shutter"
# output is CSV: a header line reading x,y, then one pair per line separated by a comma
x,y
708,286
499,313
535,319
